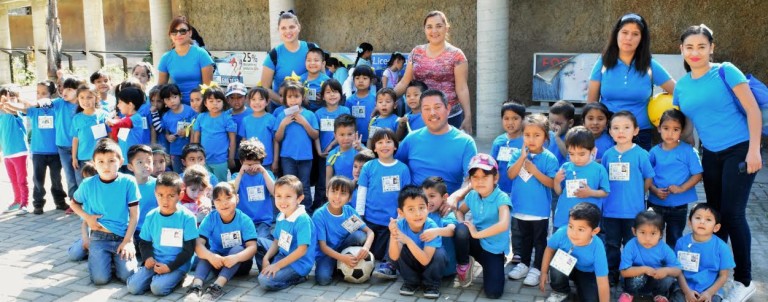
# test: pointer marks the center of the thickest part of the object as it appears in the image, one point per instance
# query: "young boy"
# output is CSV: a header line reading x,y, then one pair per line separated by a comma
x,y
706,259
236,99
194,154
561,119
362,102
585,179
107,202
167,242
437,193
129,130
101,80
341,158
292,252
577,254
358,162
140,163
314,77
412,120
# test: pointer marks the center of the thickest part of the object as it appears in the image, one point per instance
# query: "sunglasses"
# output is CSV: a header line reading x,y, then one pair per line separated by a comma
x,y
182,31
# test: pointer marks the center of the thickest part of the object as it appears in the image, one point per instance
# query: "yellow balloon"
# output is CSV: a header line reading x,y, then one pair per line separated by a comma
x,y
657,105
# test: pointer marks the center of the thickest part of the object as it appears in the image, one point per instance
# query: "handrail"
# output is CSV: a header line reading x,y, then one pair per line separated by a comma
x,y
120,54
67,53
10,51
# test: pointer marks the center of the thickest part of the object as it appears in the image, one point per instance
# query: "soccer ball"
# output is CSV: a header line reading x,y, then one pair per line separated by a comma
x,y
361,272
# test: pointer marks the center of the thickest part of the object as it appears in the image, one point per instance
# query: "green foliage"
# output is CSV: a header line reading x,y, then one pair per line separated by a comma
x,y
23,76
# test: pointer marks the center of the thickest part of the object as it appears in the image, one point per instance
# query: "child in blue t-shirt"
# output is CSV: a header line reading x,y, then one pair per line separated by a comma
x,y
706,260
412,120
581,179
88,126
63,112
13,144
595,117
140,164
194,154
226,245
630,174
561,119
422,262
176,122
296,131
362,103
649,266
486,236
340,159
327,116
260,125
107,202
384,115
531,170
167,242
576,254
255,187
215,130
314,78
678,170
129,130
436,192
292,253
338,226
511,140
102,82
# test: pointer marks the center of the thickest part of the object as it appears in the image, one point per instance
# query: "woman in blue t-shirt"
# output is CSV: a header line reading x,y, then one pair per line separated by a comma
x,y
624,76
289,56
730,140
187,65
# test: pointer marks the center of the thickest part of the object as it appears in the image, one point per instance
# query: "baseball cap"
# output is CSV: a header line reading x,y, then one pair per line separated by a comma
x,y
235,87
483,161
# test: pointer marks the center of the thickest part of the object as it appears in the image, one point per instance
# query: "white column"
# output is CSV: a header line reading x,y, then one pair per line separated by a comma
x,y
40,38
275,7
492,66
5,42
93,21
159,19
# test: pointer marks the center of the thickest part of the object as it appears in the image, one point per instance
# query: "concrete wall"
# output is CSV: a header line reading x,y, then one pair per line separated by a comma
x,y
21,31
230,25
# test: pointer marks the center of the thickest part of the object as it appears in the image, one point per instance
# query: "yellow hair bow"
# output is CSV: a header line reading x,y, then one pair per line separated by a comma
x,y
293,77
204,88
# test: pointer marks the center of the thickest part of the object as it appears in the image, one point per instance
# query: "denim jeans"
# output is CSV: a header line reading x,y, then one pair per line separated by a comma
x,y
284,278
263,242
617,232
41,162
644,139
160,285
675,219
103,254
204,268
301,169
678,296
414,273
493,264
65,156
325,265
76,251
728,192
644,285
586,283
318,165
456,120
534,237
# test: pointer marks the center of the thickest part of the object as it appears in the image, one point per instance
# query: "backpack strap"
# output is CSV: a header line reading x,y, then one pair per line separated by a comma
x,y
721,72
273,56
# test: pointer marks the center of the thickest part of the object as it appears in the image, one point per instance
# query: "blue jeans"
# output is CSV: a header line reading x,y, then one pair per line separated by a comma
x,y
644,139
220,170
325,265
414,273
284,278
301,169
65,156
617,232
204,268
586,283
675,219
41,162
160,285
103,254
319,167
678,296
644,285
76,252
728,192
263,242
456,120
493,264
79,172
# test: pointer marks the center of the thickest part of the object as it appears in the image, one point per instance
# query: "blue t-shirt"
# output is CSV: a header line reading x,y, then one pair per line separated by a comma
x,y
503,143
86,136
707,97
627,196
603,143
674,167
342,162
135,136
561,158
171,122
326,119
334,229
714,256
448,245
262,128
312,90
296,230
214,135
222,236
111,200
185,71
63,113
148,200
379,122
383,183
531,197
403,226
485,213
590,258
296,141
255,199
42,132
657,256
417,151
146,123
341,74
596,178
168,233
238,119
13,135
415,121
288,62
361,109
625,88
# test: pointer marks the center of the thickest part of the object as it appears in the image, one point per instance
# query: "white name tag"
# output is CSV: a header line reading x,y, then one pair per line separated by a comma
x,y
255,193
172,237
505,154
231,239
618,171
689,261
122,134
181,125
144,123
390,183
311,94
524,174
352,224
358,111
326,124
99,131
572,185
285,240
563,262
45,122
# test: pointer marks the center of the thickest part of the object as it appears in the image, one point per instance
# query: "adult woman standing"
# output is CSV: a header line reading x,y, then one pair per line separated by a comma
x,y
729,138
443,67
624,76
292,54
186,64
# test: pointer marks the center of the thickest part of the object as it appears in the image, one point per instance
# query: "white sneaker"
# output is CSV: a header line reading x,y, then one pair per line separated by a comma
x,y
557,297
518,272
741,293
532,279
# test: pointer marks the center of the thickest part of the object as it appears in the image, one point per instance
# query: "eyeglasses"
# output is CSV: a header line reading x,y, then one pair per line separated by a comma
x,y
182,32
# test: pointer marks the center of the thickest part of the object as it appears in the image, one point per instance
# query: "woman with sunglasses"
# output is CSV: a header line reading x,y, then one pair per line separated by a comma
x,y
624,76
186,64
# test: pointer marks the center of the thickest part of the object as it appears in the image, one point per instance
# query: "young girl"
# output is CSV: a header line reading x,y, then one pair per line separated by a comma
x,y
88,126
160,160
630,174
437,193
512,114
260,124
362,102
595,117
648,265
384,116
531,172
101,81
215,129
13,145
142,71
391,75
176,121
678,170
364,53
157,109
196,100
295,133
411,121
331,93
194,195
129,130
63,113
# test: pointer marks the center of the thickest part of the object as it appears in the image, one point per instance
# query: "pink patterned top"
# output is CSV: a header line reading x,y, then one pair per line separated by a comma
x,y
437,73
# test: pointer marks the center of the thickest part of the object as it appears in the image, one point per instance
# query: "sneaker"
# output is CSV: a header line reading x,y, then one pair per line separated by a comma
x,y
63,207
408,289
532,279
516,259
557,297
385,271
518,272
741,293
13,207
432,293
212,293
22,211
37,211
465,272
660,298
69,211
195,291
625,297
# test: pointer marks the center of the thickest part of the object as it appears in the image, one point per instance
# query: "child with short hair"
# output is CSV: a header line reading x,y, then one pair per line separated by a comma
x,y
581,178
437,193
128,131
176,122
314,78
595,117
194,154
140,164
340,159
255,187
88,126
160,160
101,82
107,202
196,99
648,265
144,133
338,226
358,162
167,242
194,196
78,251
706,260
215,130
561,119
13,138
577,254
384,115
421,262
63,113
512,114
362,103
260,124
292,253
412,120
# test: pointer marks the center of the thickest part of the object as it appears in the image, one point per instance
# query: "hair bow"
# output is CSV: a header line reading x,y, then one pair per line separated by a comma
x,y
293,77
288,11
359,50
204,88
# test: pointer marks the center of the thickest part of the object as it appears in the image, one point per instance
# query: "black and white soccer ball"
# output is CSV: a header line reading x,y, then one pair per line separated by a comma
x,y
361,272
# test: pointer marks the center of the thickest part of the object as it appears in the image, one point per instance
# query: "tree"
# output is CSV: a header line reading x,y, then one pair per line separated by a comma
x,y
54,40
